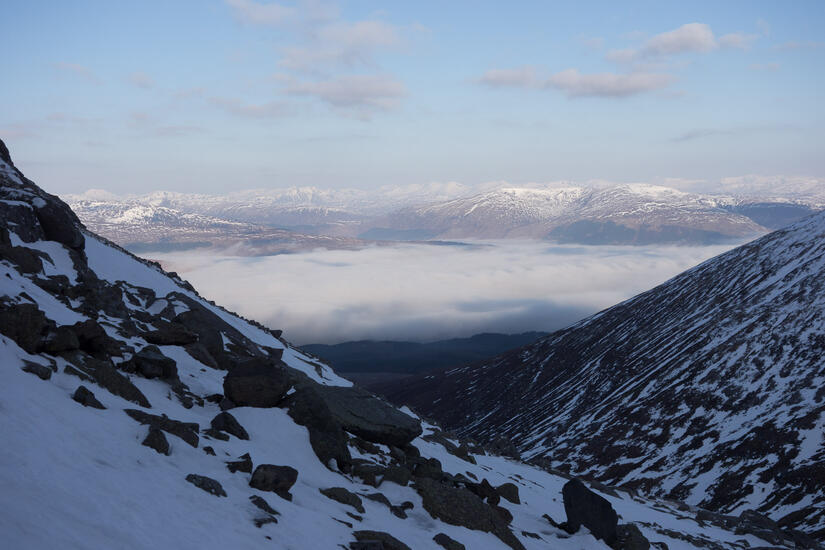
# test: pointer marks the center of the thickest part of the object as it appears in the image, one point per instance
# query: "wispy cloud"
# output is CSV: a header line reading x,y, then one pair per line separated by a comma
x,y
700,133
80,71
341,43
141,80
576,84
240,108
363,94
260,13
689,38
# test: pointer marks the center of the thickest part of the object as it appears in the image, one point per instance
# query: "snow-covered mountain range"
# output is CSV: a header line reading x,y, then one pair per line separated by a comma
x,y
136,414
591,214
708,389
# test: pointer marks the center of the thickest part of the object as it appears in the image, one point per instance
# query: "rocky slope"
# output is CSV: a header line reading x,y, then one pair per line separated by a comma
x,y
135,414
709,388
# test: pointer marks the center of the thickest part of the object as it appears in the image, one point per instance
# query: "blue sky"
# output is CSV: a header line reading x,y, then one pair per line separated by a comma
x,y
210,96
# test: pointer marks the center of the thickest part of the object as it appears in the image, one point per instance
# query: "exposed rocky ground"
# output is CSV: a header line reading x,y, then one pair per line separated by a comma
x,y
135,414
709,389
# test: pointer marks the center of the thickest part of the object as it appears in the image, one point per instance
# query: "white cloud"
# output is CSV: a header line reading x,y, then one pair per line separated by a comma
x,y
341,43
427,292
79,71
142,80
522,77
240,108
738,40
361,93
576,84
260,13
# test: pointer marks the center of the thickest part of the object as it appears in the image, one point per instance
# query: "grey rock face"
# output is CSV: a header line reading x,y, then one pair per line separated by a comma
x,y
151,363
631,538
344,496
157,441
384,540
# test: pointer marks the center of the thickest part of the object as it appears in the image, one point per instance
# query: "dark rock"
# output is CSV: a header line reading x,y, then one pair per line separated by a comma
x,y
531,535
306,407
86,398
458,506
25,260
215,434
631,538
207,484
504,513
199,352
485,491
365,415
448,543
242,465
23,323
151,363
225,422
363,545
170,334
59,223
428,467
276,479
187,431
41,371
68,369
339,494
397,474
4,154
509,491
60,339
369,472
263,505
256,383
92,338
265,520
586,508
226,404
209,450
105,375
504,447
157,441
387,541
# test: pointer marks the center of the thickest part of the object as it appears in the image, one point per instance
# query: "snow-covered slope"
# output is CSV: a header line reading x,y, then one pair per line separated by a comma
x,y
621,214
709,388
135,414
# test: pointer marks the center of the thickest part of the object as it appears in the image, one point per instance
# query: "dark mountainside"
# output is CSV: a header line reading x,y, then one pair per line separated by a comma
x,y
708,389
414,357
135,414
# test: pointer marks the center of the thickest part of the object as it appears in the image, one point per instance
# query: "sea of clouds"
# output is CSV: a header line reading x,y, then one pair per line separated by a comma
x,y
426,292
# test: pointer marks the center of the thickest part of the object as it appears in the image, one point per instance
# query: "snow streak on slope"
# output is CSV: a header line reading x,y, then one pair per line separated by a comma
x,y
709,388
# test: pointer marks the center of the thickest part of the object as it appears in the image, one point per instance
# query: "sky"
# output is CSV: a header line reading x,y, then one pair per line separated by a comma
x,y
415,292
218,95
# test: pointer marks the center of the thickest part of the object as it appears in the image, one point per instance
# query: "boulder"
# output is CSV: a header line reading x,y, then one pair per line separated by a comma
x,y
187,431
276,479
60,339
339,494
151,363
367,416
631,538
86,398
509,492
458,506
59,223
242,465
25,260
263,505
306,407
385,540
257,382
94,340
157,441
448,543
105,375
585,508
41,371
396,474
225,422
207,484
23,323
170,334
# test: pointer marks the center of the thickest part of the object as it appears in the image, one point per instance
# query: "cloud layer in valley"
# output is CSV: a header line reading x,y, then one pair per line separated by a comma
x,y
430,292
